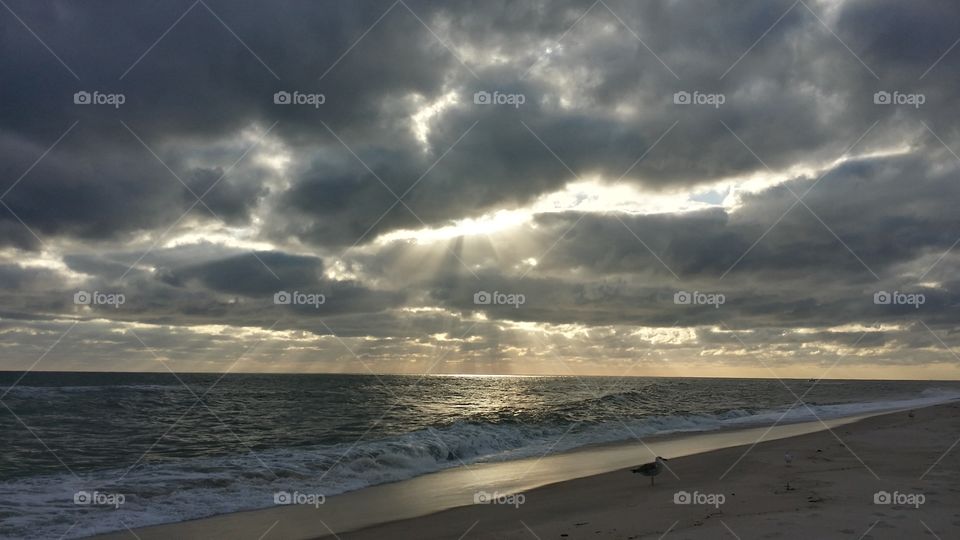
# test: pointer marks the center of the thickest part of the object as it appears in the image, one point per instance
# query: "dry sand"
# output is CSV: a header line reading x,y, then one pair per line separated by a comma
x,y
827,492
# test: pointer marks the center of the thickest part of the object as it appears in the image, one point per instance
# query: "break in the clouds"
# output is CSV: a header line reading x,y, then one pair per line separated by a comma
x,y
781,166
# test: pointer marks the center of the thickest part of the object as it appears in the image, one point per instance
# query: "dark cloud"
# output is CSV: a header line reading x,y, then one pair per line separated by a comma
x,y
598,98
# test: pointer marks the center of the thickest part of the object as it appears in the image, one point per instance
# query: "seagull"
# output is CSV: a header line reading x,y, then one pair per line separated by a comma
x,y
910,414
651,469
788,458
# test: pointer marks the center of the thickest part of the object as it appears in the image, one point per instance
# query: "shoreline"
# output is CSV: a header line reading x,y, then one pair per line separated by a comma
x,y
428,497
829,490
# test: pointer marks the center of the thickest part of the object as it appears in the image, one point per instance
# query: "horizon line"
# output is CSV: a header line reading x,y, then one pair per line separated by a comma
x,y
372,374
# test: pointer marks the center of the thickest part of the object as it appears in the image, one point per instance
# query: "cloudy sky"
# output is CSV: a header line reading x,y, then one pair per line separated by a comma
x,y
663,187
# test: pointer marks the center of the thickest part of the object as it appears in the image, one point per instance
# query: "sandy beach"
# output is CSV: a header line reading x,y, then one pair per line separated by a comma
x,y
827,492
743,491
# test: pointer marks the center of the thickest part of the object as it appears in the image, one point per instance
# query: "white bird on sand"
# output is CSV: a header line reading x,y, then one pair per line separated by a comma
x,y
651,469
788,458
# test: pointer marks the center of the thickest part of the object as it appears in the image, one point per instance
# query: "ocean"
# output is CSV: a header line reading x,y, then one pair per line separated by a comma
x,y
82,453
